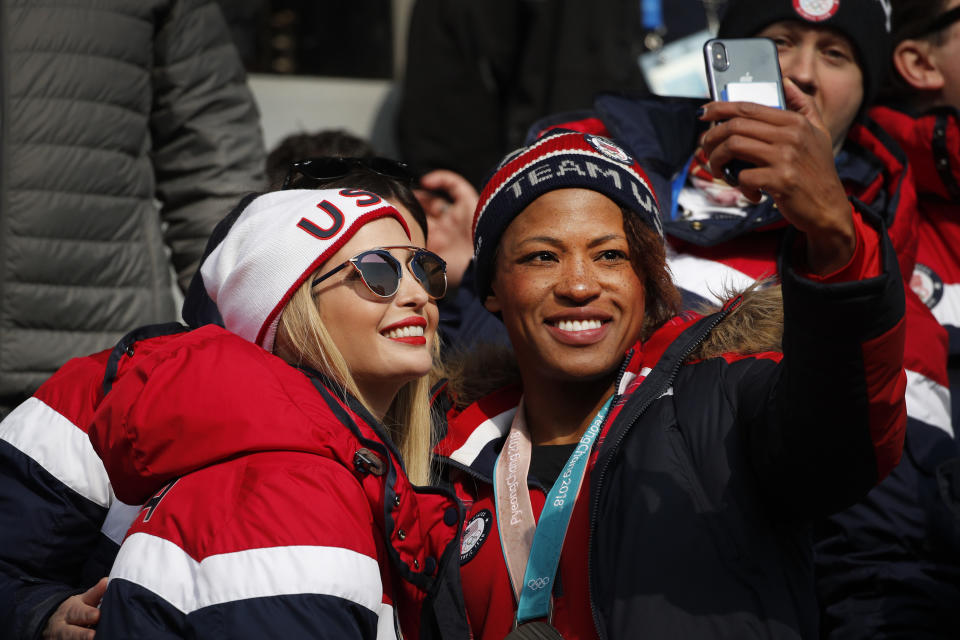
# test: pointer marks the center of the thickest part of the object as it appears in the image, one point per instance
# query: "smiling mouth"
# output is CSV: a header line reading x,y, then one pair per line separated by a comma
x,y
580,332
577,325
409,331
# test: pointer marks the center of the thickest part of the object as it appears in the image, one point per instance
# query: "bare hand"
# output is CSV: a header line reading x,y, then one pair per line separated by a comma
x,y
449,220
793,157
75,617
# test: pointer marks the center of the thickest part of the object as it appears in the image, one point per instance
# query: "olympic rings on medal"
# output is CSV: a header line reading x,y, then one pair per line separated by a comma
x,y
537,583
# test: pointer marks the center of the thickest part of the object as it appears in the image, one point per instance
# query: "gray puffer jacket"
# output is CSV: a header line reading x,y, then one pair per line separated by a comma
x,y
126,132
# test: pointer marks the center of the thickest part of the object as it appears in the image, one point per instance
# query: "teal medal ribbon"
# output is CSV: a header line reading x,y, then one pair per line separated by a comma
x,y
532,549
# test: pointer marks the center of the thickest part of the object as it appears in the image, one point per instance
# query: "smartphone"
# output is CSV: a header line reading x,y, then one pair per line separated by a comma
x,y
743,70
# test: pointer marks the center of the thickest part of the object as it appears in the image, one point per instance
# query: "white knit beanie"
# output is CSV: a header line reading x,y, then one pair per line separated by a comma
x,y
276,243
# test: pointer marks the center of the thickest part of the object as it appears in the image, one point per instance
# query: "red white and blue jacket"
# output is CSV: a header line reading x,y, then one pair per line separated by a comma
x,y
891,564
707,473
932,143
272,506
61,524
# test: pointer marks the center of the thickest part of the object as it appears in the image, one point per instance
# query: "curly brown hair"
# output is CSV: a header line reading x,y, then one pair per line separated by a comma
x,y
648,255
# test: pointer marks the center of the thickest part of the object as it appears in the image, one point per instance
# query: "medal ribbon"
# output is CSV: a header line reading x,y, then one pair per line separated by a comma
x,y
531,549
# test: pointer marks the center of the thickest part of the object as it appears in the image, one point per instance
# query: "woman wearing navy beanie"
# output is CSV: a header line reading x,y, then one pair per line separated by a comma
x,y
633,472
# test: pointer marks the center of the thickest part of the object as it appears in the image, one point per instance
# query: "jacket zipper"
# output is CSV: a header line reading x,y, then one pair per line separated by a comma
x,y
719,316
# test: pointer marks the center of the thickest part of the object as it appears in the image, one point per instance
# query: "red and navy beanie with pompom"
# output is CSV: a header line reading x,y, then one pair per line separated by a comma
x,y
561,159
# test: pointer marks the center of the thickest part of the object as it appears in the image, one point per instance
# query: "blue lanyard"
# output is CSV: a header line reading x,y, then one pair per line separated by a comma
x,y
677,186
538,578
651,12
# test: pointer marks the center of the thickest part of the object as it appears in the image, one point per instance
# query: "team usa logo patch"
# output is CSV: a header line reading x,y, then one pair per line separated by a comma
x,y
474,534
816,10
927,285
608,149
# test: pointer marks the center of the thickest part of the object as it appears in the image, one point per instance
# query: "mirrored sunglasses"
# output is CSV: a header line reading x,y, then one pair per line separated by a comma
x,y
319,170
381,271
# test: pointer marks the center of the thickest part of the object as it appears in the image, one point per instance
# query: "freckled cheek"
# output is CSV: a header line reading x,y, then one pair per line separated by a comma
x,y
529,295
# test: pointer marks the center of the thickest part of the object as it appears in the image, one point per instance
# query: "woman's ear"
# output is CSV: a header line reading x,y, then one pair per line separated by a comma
x,y
916,62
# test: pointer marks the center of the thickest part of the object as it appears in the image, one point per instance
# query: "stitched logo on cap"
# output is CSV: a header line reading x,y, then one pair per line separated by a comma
x,y
816,10
607,148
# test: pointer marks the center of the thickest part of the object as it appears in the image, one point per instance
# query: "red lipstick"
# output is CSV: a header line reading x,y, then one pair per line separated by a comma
x,y
406,331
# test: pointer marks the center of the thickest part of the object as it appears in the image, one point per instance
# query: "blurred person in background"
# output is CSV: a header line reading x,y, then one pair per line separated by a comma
x,y
920,109
479,74
128,129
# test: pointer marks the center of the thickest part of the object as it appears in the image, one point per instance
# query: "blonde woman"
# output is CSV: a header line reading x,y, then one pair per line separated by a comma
x,y
278,458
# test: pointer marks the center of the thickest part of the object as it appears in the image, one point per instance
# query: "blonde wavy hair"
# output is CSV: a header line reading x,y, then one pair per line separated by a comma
x,y
302,339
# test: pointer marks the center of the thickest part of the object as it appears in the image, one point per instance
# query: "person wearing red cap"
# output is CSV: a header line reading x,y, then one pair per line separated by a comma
x,y
636,472
917,586
920,108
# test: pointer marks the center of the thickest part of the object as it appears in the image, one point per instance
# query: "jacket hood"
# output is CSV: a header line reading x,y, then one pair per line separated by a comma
x,y
206,397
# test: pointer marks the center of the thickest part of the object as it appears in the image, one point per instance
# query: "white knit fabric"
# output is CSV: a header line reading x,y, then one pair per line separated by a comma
x,y
272,248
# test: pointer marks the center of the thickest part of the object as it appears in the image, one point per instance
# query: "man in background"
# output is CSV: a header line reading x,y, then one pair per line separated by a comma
x,y
127,132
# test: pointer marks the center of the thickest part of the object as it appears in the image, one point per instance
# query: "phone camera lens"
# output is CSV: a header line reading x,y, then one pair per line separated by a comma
x,y
720,62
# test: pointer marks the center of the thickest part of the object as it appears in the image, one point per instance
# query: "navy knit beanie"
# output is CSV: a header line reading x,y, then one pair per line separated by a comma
x,y
865,22
561,159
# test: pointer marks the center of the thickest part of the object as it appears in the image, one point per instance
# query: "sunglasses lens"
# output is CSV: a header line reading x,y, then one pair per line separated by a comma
x,y
380,271
391,168
321,168
430,270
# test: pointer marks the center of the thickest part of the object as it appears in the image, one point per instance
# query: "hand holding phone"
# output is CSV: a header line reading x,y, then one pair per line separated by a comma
x,y
743,70
793,152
